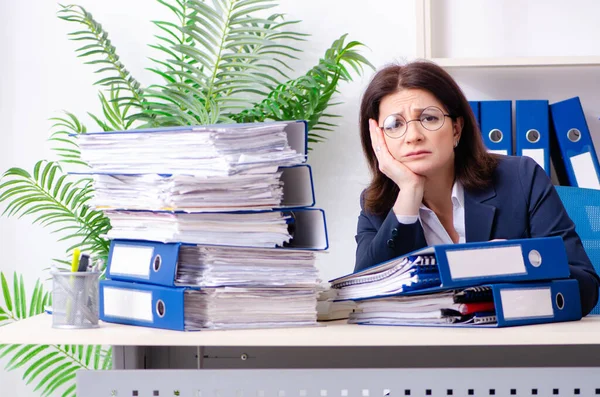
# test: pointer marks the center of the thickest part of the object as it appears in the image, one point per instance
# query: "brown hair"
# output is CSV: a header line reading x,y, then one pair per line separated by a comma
x,y
473,165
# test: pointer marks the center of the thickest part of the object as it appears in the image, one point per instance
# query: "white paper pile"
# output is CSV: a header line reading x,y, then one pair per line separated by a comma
x,y
187,193
199,151
260,229
223,308
231,266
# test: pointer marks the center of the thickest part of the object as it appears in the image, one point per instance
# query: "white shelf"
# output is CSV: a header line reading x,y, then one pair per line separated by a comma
x,y
517,61
37,330
423,9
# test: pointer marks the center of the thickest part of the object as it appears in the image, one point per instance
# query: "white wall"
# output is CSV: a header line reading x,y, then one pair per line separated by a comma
x,y
40,76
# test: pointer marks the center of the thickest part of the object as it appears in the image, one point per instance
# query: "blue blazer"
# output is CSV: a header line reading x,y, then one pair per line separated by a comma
x,y
521,202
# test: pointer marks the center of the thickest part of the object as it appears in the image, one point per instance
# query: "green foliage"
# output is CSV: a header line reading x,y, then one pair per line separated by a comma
x,y
58,201
50,368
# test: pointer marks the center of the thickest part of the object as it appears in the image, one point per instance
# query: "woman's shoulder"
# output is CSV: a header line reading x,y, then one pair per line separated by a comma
x,y
523,165
515,169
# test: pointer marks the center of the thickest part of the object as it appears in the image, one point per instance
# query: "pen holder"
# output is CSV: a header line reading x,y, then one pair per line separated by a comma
x,y
75,299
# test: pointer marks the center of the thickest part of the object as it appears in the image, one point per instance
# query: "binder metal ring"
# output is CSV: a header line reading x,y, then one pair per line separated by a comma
x,y
574,135
535,258
496,135
157,262
160,308
560,301
532,136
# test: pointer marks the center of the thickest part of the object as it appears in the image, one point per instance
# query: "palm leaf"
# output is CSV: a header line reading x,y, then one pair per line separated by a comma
x,y
216,55
51,368
63,138
307,97
57,201
98,45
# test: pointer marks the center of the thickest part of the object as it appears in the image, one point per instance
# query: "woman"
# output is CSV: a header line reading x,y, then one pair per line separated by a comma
x,y
435,183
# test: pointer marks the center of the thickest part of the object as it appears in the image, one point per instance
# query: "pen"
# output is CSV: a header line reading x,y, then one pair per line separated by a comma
x,y
75,260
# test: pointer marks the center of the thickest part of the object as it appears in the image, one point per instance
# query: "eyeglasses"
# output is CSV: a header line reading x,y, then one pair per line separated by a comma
x,y
431,118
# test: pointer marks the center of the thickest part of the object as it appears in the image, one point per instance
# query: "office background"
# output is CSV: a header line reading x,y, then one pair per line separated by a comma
x,y
40,76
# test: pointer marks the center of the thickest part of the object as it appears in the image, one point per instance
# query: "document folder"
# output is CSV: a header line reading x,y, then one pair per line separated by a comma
x,y
533,131
575,143
496,126
460,265
207,150
159,263
187,309
288,188
302,227
296,131
490,305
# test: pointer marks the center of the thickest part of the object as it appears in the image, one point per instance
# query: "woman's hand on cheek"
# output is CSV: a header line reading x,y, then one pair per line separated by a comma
x,y
389,166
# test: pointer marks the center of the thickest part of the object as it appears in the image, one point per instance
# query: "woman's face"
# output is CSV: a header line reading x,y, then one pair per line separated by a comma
x,y
423,151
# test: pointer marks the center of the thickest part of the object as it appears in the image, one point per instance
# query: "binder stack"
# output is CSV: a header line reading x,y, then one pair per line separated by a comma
x,y
490,284
213,227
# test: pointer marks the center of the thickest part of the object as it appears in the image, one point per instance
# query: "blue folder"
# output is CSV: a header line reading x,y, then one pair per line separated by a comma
x,y
577,152
460,265
514,304
476,112
533,131
140,304
496,126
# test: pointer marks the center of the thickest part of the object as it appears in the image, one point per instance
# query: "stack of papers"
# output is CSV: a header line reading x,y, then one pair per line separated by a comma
x,y
218,266
393,277
188,193
474,305
199,151
260,229
239,308
329,308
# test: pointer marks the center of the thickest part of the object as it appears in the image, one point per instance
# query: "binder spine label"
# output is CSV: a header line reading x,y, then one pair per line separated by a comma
x,y
526,303
538,155
585,171
128,304
484,262
131,260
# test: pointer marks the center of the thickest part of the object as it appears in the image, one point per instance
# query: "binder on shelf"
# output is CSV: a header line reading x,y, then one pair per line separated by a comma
x,y
496,126
533,131
512,304
577,152
476,112
447,266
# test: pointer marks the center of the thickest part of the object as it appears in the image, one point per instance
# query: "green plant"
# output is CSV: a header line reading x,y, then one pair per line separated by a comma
x,y
49,367
223,61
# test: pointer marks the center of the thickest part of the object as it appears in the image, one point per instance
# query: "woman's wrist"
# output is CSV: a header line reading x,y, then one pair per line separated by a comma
x,y
408,201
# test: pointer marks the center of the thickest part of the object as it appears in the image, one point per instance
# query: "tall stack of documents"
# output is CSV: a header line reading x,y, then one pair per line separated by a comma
x,y
212,226
496,283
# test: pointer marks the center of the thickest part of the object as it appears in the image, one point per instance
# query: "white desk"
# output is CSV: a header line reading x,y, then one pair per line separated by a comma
x,y
38,330
330,345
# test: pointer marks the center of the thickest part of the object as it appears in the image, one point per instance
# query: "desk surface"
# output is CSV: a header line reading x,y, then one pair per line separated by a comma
x,y
38,330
